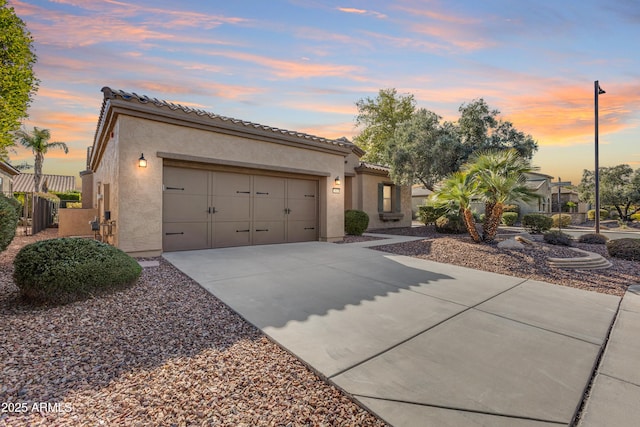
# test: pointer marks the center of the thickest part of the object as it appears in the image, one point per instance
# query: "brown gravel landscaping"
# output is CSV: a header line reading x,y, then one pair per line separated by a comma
x,y
164,352
530,262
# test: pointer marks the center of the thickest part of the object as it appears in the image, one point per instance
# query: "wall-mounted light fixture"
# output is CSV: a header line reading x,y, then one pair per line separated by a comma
x,y
142,162
337,180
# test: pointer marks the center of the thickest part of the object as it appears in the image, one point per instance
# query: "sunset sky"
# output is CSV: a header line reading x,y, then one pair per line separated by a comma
x,y
302,64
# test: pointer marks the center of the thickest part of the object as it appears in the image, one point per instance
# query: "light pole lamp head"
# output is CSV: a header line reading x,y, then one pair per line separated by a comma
x,y
600,90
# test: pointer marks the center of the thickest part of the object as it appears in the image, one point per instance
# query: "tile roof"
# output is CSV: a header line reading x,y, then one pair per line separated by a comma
x,y
373,166
110,93
8,169
57,183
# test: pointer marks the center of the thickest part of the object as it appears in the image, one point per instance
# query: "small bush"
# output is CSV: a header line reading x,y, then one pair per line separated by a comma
x,y
556,237
428,214
74,205
355,222
536,223
450,223
9,216
69,269
69,195
509,218
561,220
591,214
593,238
628,249
635,217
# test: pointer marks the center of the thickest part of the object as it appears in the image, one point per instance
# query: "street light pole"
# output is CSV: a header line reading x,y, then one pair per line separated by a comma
x,y
597,91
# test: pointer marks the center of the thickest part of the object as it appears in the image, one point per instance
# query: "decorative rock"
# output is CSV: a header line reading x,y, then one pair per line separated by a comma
x,y
525,240
510,244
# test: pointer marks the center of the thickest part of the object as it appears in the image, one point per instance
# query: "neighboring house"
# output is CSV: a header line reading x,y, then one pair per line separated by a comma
x,y
8,175
419,196
567,194
540,184
56,183
176,178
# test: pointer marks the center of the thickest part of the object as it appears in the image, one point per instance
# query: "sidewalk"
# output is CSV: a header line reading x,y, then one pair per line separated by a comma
x,y
615,395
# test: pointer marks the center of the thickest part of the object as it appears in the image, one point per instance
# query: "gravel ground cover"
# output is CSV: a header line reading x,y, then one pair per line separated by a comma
x,y
530,262
354,239
162,353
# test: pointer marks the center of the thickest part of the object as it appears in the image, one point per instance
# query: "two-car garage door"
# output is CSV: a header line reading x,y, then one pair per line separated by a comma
x,y
212,209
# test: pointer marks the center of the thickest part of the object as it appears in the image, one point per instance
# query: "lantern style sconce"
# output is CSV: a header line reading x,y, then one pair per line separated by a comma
x,y
337,181
142,162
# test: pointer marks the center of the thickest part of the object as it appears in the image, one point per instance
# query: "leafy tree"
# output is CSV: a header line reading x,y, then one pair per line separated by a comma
x,y
18,82
424,150
495,177
38,142
480,129
380,118
619,187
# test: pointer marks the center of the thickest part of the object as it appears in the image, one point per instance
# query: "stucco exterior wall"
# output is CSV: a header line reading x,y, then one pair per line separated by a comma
x,y
136,200
75,222
107,173
368,201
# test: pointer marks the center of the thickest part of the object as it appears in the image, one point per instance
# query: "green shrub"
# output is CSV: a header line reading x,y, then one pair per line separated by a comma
x,y
74,205
561,220
68,195
591,214
355,222
556,237
593,238
450,223
536,223
428,214
9,216
69,269
624,248
509,218
635,217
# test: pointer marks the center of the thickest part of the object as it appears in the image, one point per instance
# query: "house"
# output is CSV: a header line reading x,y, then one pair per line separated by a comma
x,y
419,196
540,184
168,177
53,183
8,175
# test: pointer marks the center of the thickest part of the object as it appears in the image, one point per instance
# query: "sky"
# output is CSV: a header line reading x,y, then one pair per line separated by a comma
x,y
303,64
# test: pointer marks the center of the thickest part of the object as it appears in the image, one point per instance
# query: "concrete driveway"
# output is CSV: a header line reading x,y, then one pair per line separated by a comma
x,y
417,342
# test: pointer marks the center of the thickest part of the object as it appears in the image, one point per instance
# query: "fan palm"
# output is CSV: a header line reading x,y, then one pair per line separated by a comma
x,y
38,142
457,191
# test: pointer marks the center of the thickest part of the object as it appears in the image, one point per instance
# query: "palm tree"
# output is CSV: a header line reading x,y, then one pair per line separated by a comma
x,y
38,142
457,192
500,178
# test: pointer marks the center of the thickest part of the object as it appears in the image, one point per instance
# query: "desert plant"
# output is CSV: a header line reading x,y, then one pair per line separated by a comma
x,y
428,214
561,220
355,222
635,217
591,214
536,223
68,269
509,218
593,238
9,215
627,248
556,237
450,223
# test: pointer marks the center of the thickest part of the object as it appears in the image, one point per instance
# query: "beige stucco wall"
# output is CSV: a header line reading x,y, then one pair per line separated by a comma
x,y
136,200
368,201
75,222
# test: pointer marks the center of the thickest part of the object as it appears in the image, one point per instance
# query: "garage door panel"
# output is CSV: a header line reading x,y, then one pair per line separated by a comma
x,y
185,181
185,236
231,184
269,209
302,231
302,189
184,207
267,232
236,233
268,187
302,210
231,208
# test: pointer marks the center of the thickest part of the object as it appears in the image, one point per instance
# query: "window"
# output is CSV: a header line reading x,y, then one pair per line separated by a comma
x,y
386,198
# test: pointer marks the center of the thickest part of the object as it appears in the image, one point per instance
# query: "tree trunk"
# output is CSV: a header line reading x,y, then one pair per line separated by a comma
x,y
488,208
470,223
37,167
496,215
